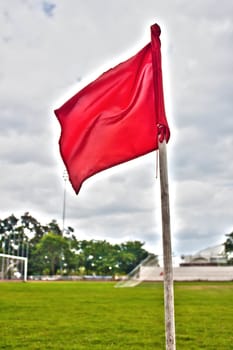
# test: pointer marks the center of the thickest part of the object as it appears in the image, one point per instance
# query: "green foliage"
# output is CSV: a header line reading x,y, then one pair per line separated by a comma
x,y
229,242
229,248
84,316
51,251
132,253
103,258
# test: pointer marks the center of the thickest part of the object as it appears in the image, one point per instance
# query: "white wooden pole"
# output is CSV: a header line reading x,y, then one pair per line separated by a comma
x,y
167,251
26,270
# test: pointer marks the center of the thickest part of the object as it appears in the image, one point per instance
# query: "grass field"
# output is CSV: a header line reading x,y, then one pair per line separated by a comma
x,y
95,315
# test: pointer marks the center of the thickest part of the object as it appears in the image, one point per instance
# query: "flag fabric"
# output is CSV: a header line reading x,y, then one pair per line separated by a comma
x,y
117,117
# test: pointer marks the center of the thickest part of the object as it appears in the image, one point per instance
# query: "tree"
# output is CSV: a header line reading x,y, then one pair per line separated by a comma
x,y
53,227
31,228
131,254
52,250
102,258
229,248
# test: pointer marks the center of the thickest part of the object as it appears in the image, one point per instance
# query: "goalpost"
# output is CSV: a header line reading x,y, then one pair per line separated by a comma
x,y
135,277
10,266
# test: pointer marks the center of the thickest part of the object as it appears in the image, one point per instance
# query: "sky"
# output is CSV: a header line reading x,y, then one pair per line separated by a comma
x,y
51,49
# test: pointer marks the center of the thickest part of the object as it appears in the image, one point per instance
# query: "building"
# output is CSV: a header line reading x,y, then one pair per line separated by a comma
x,y
212,256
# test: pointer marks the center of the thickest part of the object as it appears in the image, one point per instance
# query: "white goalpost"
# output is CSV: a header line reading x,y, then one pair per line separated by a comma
x,y
135,276
13,267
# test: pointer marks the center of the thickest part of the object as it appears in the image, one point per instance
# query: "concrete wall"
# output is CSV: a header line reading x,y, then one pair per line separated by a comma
x,y
191,273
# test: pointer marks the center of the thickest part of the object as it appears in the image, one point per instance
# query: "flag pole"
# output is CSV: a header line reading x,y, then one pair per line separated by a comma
x,y
167,251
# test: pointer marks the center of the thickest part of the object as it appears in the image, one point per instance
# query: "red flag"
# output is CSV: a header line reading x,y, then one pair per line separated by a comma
x,y
116,118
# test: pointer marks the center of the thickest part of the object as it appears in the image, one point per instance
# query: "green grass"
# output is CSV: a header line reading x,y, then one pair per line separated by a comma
x,y
93,315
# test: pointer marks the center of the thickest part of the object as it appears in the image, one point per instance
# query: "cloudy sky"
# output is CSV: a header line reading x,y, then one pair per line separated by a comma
x,y
50,49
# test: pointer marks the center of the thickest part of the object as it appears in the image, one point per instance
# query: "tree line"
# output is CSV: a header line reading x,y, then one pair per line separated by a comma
x,y
51,250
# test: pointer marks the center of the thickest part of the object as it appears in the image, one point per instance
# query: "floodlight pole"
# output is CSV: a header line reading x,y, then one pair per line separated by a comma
x,y
167,251
65,177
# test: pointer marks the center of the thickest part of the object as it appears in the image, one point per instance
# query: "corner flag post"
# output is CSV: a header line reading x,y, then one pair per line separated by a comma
x,y
119,113
167,252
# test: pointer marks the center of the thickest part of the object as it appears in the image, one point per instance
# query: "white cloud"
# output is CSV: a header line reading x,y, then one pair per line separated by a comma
x,y
48,46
